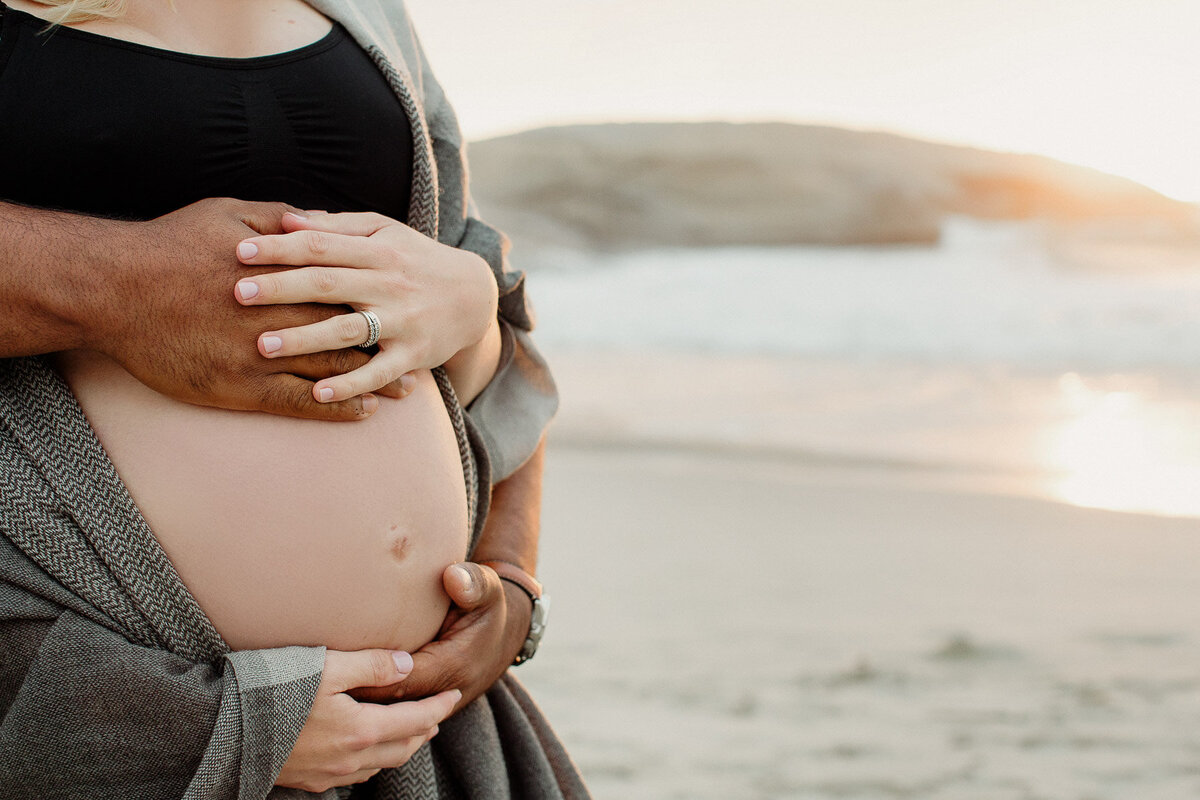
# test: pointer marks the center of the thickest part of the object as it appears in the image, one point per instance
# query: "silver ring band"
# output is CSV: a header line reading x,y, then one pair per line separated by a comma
x,y
372,329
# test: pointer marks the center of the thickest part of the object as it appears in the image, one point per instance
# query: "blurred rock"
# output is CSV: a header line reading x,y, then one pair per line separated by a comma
x,y
621,186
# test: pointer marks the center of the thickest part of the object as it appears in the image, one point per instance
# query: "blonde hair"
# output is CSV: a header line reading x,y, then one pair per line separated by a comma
x,y
68,11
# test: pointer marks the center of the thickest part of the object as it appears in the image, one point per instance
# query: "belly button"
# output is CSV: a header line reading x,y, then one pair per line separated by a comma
x,y
399,545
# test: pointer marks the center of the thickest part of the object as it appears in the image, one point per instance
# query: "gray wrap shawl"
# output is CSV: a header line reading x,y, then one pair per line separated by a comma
x,y
113,683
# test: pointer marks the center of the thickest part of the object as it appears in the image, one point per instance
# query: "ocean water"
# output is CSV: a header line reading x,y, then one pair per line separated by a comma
x,y
985,355
989,293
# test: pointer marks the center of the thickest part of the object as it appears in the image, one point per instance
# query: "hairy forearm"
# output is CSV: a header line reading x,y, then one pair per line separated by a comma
x,y
57,270
514,519
511,534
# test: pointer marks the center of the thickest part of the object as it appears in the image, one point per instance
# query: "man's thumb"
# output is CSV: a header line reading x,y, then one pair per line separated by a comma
x,y
470,585
349,670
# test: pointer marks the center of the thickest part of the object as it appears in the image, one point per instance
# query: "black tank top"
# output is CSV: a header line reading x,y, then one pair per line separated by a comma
x,y
99,125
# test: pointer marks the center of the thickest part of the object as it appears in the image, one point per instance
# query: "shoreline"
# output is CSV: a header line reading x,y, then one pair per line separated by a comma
x,y
1115,440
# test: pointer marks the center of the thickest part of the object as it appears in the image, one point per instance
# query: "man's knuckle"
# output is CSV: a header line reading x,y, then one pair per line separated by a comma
x,y
455,674
349,359
283,398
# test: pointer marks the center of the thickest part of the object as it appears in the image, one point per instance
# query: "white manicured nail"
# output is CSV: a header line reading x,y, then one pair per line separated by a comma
x,y
247,289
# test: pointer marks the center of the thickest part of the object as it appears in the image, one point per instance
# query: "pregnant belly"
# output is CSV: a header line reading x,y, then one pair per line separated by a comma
x,y
291,531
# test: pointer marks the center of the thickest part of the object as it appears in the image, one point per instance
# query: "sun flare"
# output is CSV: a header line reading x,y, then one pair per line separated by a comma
x,y
1121,450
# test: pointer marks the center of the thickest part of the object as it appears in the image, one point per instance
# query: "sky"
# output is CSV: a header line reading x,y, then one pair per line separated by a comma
x,y
1112,84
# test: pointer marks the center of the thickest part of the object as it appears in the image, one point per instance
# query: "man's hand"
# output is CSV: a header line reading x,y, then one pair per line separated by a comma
x,y
489,619
482,634
167,313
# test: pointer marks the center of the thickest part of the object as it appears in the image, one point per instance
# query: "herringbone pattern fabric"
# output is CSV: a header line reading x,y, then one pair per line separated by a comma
x,y
423,203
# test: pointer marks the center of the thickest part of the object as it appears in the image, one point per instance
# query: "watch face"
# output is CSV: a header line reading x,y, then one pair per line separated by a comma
x,y
537,622
537,628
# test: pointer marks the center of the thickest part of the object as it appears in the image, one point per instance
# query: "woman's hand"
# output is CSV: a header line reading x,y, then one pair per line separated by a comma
x,y
432,301
344,741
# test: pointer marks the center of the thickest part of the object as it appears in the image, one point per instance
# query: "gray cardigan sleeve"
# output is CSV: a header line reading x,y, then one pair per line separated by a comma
x,y
85,713
513,411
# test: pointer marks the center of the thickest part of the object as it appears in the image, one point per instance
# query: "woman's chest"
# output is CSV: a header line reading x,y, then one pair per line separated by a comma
x,y
101,126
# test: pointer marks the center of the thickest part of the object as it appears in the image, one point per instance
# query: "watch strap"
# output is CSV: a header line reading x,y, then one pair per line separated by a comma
x,y
510,572
515,575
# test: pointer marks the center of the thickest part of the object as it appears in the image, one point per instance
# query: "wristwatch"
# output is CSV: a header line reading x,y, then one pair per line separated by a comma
x,y
541,605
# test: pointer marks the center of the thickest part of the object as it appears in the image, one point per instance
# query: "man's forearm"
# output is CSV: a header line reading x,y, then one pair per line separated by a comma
x,y
511,534
56,268
514,519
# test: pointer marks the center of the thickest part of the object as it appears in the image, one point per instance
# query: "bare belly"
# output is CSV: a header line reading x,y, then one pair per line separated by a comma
x,y
291,531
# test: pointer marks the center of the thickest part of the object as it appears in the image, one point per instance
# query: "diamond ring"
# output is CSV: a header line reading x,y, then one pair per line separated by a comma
x,y
372,329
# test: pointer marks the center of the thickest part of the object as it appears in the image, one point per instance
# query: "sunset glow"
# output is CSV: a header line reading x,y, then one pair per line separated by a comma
x,y
1120,450
1103,83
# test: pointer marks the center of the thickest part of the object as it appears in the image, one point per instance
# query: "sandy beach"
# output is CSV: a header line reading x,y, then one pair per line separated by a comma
x,y
733,628
755,625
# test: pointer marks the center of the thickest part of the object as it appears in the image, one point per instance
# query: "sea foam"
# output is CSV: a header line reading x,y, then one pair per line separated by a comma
x,y
987,293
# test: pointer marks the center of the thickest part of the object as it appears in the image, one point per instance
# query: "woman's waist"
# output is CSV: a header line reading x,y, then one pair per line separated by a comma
x,y
291,531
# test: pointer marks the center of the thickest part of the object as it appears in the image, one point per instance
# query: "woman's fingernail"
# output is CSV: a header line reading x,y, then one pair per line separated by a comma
x,y
297,214
247,250
247,289
325,395
272,343
370,403
408,382
404,662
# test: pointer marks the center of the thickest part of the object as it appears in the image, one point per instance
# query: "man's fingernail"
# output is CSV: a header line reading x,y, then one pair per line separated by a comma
x,y
247,250
404,662
296,214
247,289
370,403
464,577
325,395
271,344
408,382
